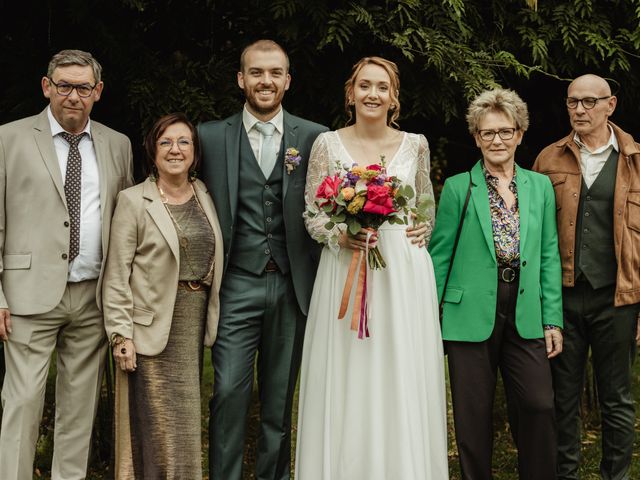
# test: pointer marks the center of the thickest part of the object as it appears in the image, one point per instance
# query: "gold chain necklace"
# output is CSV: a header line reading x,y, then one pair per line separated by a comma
x,y
182,237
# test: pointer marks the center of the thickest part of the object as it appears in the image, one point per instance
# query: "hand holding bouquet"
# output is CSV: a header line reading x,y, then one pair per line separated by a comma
x,y
365,198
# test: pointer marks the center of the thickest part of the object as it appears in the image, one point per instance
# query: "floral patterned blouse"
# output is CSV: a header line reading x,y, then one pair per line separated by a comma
x,y
505,222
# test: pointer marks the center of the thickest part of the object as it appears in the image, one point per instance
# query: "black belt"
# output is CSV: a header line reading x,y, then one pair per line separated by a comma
x,y
508,274
271,266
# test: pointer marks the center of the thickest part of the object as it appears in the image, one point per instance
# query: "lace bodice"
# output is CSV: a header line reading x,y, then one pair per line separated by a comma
x,y
410,164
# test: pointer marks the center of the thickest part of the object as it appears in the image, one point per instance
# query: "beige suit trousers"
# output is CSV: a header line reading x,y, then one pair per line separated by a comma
x,y
74,329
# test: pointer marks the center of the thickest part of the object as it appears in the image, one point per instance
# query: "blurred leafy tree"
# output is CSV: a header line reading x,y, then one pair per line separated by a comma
x,y
169,55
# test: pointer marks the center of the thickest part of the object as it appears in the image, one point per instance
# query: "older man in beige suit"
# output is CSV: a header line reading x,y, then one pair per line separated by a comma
x,y
60,173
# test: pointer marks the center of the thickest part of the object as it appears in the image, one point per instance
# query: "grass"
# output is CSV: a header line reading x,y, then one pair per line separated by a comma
x,y
504,461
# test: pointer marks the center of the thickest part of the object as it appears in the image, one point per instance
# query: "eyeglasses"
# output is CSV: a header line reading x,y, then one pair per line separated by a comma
x,y
167,144
503,133
65,89
587,102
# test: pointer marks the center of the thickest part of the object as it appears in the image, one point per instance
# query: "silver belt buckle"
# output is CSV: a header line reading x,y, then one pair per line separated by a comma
x,y
508,275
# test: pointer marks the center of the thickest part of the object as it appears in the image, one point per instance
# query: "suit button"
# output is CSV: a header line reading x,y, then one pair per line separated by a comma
x,y
588,197
571,223
521,291
266,187
64,256
269,235
66,224
524,264
586,214
267,203
268,219
267,251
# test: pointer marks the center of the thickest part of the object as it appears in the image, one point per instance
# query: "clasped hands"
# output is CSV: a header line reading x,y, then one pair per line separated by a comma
x,y
417,233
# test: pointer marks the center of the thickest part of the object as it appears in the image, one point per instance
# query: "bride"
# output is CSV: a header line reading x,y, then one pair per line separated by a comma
x,y
373,408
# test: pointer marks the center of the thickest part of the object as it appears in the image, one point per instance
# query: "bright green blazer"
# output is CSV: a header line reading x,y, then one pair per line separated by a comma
x,y
469,307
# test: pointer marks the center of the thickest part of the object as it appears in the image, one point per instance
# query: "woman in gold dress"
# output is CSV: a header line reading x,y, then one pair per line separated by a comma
x,y
160,297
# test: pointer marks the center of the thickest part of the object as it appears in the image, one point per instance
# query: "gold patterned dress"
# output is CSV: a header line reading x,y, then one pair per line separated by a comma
x,y
163,409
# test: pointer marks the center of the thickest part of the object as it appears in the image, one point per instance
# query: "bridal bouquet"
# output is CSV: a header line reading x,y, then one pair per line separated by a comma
x,y
365,197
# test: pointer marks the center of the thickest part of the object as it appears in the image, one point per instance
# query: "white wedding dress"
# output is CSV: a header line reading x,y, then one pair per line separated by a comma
x,y
373,408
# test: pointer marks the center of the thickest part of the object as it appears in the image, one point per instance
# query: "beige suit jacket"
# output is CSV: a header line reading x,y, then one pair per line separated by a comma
x,y
34,231
141,274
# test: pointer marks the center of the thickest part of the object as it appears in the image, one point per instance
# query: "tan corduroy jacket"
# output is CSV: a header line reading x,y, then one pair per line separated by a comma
x,y
561,162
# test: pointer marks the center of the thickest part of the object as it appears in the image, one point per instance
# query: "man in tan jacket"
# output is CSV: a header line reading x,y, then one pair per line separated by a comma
x,y
595,171
60,173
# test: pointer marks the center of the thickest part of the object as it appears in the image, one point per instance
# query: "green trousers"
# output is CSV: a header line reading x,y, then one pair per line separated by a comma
x,y
259,315
591,321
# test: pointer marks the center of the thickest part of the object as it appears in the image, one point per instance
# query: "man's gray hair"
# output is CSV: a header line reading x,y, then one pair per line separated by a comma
x,y
66,58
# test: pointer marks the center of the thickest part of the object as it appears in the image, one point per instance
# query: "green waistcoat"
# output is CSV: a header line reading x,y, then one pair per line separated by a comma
x,y
595,253
260,232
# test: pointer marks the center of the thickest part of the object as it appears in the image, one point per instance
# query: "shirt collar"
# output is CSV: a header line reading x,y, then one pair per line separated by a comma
x,y
493,180
613,142
249,120
56,128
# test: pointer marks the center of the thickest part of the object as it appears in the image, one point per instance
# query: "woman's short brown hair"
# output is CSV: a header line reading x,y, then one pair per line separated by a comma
x,y
156,131
392,70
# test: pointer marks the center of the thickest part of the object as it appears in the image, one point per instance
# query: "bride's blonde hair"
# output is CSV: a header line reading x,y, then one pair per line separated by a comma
x,y
392,70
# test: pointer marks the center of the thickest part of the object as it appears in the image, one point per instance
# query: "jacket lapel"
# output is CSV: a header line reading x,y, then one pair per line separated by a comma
x,y
44,141
290,140
102,158
522,183
480,196
161,218
232,153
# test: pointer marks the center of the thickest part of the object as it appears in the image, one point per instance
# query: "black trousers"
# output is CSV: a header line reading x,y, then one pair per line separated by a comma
x,y
591,321
526,375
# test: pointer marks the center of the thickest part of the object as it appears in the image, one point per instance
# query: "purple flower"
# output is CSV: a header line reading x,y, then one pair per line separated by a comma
x,y
292,159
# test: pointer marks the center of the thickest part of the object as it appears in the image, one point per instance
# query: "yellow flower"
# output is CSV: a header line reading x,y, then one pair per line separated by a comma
x,y
348,193
356,205
358,171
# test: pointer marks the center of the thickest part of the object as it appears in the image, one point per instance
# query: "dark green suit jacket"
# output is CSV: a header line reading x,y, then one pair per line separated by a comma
x,y
469,307
220,142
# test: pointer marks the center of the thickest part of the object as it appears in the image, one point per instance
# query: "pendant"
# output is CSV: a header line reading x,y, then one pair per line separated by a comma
x,y
184,242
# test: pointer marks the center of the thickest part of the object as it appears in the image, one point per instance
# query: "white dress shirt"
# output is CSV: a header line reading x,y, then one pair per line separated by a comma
x,y
255,137
591,163
86,266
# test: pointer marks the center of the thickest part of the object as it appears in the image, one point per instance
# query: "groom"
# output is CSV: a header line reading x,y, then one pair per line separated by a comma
x,y
257,183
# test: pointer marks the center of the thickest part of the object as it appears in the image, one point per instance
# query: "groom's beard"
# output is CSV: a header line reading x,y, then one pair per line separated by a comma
x,y
261,107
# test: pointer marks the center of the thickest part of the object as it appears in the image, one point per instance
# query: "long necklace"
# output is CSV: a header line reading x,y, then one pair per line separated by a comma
x,y
182,237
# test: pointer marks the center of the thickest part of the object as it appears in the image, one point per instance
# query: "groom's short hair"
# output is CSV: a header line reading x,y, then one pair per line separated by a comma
x,y
263,45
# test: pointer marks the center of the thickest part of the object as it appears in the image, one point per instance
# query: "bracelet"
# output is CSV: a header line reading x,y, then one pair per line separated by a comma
x,y
116,339
551,327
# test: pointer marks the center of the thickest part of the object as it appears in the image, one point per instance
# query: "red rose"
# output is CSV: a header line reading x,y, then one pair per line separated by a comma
x,y
378,200
375,167
329,188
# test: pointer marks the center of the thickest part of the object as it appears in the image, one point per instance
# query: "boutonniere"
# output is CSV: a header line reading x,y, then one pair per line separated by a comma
x,y
291,159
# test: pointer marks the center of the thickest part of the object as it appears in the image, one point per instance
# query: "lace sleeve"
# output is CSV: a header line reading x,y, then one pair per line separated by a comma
x,y
423,183
314,218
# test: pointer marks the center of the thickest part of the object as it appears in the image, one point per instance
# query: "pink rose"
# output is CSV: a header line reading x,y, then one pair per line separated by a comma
x,y
329,188
375,167
378,200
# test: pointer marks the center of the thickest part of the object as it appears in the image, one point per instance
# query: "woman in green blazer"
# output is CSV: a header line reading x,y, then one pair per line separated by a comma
x,y
502,304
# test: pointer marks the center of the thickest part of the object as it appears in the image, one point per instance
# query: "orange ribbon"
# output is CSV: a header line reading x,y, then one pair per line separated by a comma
x,y
358,315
